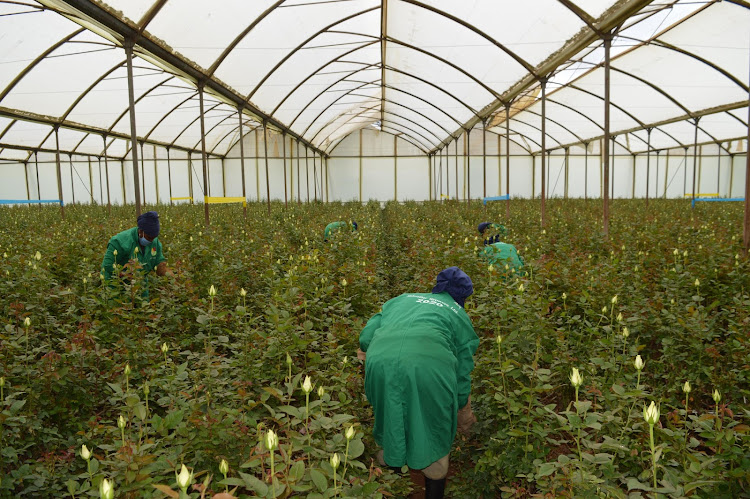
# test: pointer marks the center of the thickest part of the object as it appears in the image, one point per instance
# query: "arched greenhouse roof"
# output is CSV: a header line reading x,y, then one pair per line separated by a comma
x,y
319,70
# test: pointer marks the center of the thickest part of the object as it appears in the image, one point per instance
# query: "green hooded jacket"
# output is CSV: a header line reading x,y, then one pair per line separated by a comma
x,y
420,350
501,254
125,243
331,228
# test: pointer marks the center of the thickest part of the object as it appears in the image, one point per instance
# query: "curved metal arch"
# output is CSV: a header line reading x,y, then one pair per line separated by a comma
x,y
514,141
418,126
658,89
559,144
247,124
447,63
214,127
36,61
429,83
425,101
341,115
300,46
136,101
238,38
582,15
556,123
194,120
309,125
350,119
89,89
169,113
402,134
528,67
527,137
658,43
317,71
414,111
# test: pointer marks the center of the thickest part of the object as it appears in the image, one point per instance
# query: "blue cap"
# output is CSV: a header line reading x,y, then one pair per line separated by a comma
x,y
483,226
354,224
149,223
456,283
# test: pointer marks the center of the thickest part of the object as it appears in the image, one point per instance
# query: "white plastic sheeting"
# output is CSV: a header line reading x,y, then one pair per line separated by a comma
x,y
322,70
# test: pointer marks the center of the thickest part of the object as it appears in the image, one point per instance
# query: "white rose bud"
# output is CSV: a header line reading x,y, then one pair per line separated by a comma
x,y
272,440
243,293
716,396
350,433
625,332
697,283
212,291
614,299
651,413
224,467
335,461
576,379
38,256
638,363
127,369
27,322
321,391
307,385
164,348
85,452
121,422
686,387
106,489
184,478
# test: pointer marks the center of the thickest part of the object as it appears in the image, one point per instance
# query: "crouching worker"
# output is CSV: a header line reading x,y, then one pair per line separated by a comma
x,y
419,356
334,227
495,251
140,244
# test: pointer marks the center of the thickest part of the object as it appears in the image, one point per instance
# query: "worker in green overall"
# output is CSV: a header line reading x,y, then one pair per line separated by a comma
x,y
334,227
139,244
419,356
495,251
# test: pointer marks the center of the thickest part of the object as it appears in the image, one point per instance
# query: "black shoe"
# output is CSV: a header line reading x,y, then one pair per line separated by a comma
x,y
434,489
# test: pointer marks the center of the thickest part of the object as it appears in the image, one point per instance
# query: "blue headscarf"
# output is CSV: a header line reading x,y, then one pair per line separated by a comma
x,y
149,223
456,283
483,226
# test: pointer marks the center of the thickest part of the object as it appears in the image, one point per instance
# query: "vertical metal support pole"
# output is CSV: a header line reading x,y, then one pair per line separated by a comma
x,y
169,177
447,173
257,173
328,174
101,184
731,175
467,161
533,176
430,184
612,168
656,191
91,182
632,193
666,175
746,230
718,172
648,161
695,158
204,159
265,155
122,176
360,165
395,168
283,152
72,187
544,147
59,172
315,178
128,45
507,159
456,158
38,185
156,176
586,170
700,166
684,171
484,159
607,46
223,178
143,176
190,176
299,197
307,174
291,169
567,170
242,163
499,166
26,178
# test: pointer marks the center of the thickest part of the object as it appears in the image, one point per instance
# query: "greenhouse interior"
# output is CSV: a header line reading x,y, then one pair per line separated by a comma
x,y
550,197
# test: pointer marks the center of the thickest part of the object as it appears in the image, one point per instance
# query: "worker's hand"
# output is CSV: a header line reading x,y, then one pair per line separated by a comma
x,y
361,355
161,269
466,418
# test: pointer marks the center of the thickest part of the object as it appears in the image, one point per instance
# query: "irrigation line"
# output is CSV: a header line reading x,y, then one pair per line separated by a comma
x,y
196,176
79,178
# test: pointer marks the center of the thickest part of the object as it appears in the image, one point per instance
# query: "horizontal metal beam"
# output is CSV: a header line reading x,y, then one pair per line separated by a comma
x,y
109,20
103,132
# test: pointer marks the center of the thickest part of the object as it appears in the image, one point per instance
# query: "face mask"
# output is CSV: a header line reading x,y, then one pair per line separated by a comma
x,y
145,242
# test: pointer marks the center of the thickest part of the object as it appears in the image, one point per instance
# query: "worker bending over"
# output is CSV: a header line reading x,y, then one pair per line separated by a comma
x,y
419,357
334,227
495,251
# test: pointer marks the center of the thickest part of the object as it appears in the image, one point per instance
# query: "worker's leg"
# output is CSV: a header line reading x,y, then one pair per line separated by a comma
x,y
434,478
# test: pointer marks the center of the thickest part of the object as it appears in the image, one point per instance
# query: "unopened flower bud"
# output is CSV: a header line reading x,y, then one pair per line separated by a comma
x,y
184,478
307,385
224,467
686,387
212,291
243,293
349,433
121,422
272,440
127,369
651,413
638,363
335,460
164,348
27,322
85,452
576,379
716,396
106,489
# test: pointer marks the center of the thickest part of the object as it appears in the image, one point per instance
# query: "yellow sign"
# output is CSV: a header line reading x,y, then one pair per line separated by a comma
x,y
224,200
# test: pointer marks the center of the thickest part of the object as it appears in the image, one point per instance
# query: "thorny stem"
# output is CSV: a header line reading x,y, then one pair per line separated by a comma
x,y
578,440
653,456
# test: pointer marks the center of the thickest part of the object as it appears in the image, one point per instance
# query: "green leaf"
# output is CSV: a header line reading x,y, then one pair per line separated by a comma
x,y
546,469
173,419
370,488
297,471
356,448
634,484
254,484
319,479
232,481
140,412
